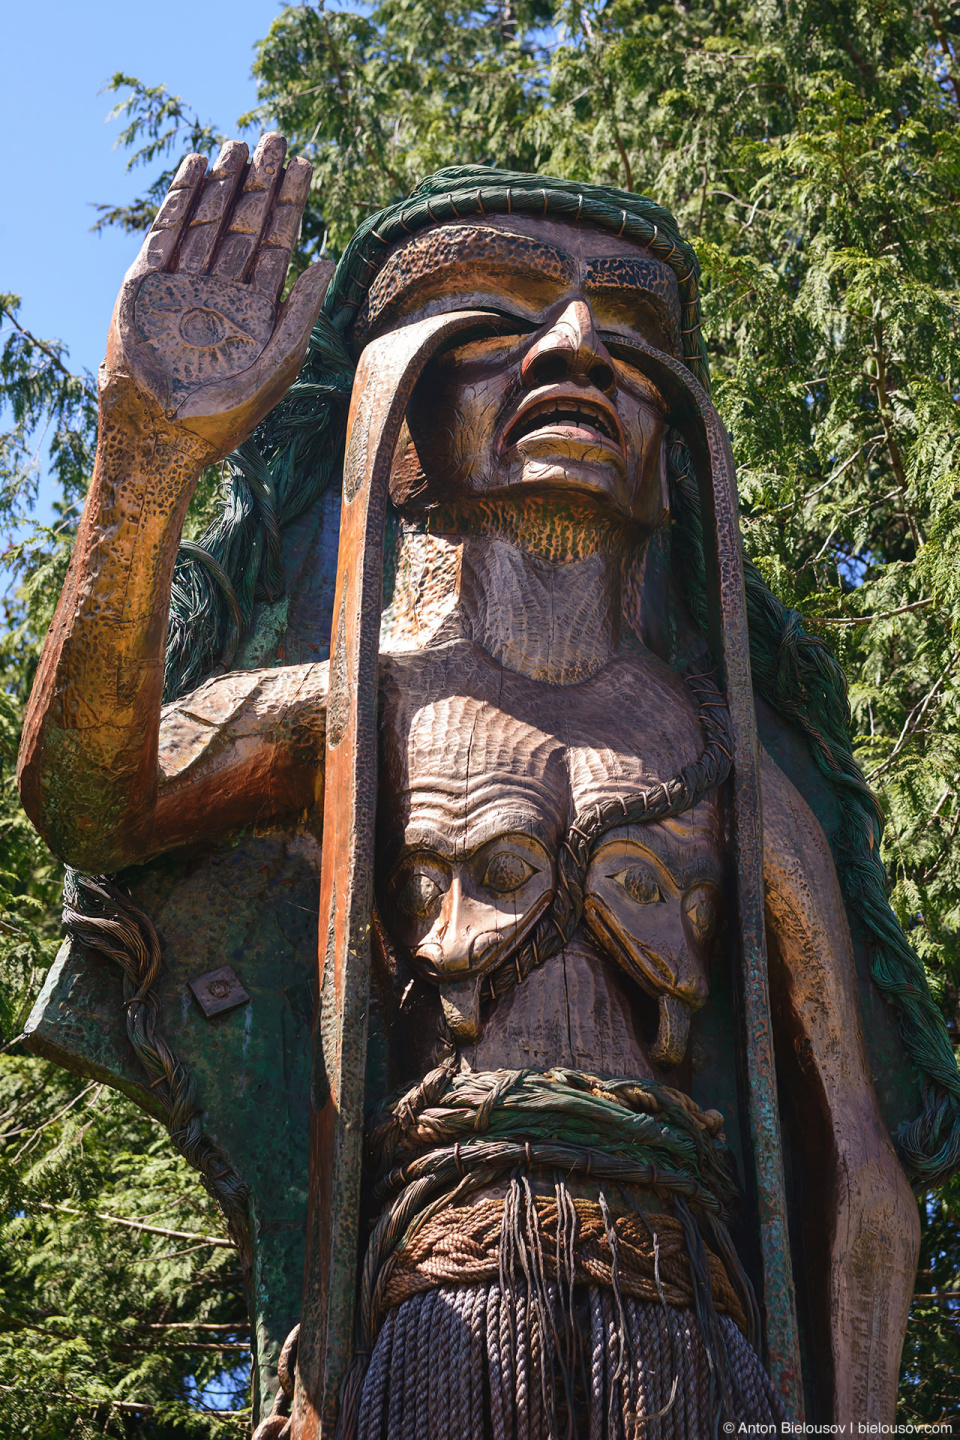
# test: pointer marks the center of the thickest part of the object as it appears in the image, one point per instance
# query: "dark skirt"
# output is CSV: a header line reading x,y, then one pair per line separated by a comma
x,y
475,1364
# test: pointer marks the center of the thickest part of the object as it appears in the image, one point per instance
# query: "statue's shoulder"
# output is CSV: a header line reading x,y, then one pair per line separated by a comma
x,y
637,705
456,666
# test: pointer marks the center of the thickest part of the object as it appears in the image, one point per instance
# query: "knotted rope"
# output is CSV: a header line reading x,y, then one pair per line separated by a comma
x,y
102,918
461,1245
456,1134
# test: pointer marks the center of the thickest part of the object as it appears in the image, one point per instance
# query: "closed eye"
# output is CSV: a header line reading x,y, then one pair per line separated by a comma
x,y
495,326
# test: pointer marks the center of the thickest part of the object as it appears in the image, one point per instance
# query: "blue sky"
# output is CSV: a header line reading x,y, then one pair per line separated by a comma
x,y
57,57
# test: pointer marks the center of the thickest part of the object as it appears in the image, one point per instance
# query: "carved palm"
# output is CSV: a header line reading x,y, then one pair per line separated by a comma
x,y
198,325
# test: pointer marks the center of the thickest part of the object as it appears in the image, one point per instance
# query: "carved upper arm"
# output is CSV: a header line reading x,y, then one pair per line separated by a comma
x,y
806,914
243,748
860,1217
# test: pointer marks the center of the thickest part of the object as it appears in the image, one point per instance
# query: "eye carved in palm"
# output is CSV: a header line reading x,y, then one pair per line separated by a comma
x,y
199,341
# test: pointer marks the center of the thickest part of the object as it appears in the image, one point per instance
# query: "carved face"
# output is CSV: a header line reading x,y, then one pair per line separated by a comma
x,y
653,900
543,403
458,917
474,804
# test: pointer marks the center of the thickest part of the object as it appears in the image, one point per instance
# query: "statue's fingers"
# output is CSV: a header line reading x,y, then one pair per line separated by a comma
x,y
250,212
297,317
161,243
207,220
273,257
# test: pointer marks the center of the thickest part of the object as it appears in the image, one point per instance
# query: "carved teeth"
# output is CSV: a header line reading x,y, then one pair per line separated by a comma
x,y
562,411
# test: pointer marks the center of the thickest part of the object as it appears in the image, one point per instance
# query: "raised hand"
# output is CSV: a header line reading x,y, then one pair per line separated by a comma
x,y
198,325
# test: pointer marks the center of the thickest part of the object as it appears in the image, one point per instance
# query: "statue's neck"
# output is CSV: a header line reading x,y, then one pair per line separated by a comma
x,y
540,584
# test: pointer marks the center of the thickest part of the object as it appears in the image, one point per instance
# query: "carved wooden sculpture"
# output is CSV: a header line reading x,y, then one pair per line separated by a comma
x,y
584,957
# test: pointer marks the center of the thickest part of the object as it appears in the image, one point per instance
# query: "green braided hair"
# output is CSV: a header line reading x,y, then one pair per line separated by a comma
x,y
298,451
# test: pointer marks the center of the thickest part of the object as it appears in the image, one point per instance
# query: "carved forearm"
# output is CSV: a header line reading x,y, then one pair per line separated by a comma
x,y
858,1202
88,761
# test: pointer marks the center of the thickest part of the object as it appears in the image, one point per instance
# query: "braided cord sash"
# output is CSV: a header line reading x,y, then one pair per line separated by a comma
x,y
457,1134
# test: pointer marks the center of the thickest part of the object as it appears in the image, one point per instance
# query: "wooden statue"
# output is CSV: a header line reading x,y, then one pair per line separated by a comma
x,y
585,963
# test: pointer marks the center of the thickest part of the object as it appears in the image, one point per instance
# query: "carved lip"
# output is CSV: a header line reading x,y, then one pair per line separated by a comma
x,y
573,412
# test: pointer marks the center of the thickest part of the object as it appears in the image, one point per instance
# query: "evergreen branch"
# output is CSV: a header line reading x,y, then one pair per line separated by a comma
x,y
47,1123
945,47
26,1100
879,384
139,1225
40,345
139,1407
223,1325
912,721
869,619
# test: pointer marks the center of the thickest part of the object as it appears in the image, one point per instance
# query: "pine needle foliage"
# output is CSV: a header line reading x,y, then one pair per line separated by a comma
x,y
811,152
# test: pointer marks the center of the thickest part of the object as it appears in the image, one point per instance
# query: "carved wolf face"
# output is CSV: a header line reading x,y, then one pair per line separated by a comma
x,y
653,900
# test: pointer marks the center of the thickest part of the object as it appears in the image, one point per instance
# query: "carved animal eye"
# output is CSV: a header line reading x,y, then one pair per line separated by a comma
x,y
639,885
506,872
418,898
700,908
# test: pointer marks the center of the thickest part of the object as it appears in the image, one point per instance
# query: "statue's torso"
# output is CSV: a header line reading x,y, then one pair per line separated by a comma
x,y
472,752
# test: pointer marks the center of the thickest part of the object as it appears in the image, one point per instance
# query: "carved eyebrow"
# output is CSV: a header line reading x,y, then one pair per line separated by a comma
x,y
436,846
437,254
664,852
639,275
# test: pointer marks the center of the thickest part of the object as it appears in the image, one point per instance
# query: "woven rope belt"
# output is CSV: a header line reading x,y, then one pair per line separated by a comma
x,y
482,1181
461,1245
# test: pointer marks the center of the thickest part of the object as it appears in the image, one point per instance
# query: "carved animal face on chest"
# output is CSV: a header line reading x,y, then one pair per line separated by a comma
x,y
653,901
477,801
475,806
460,916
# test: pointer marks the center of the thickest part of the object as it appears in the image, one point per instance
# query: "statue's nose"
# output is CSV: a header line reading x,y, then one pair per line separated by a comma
x,y
570,348
450,941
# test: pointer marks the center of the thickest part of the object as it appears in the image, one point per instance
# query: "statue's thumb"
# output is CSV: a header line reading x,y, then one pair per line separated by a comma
x,y
297,317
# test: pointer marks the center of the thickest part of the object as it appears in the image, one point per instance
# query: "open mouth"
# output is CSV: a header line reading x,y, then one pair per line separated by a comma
x,y
574,418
